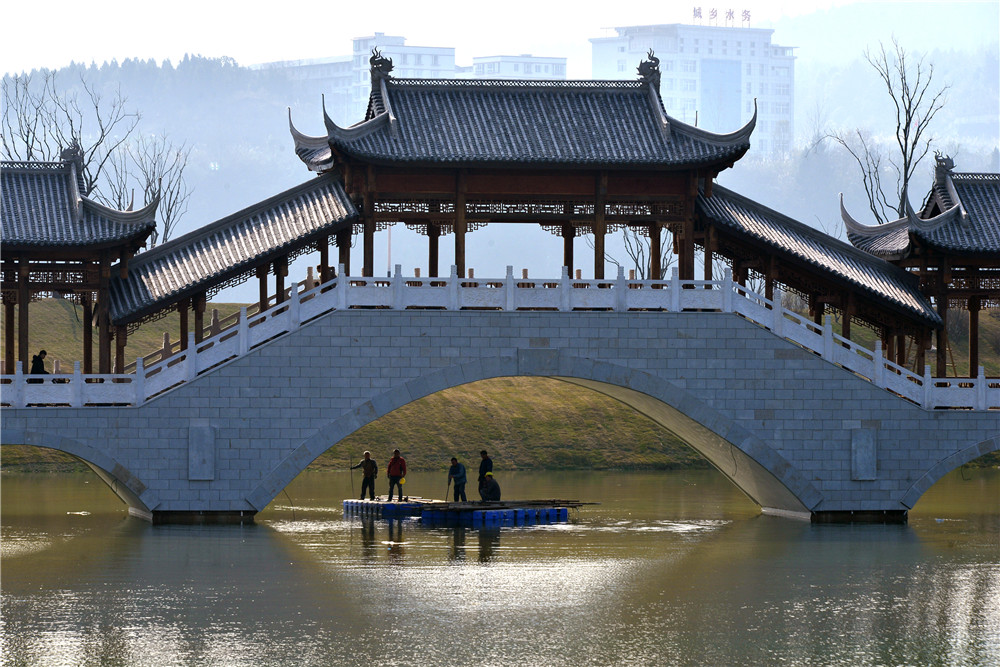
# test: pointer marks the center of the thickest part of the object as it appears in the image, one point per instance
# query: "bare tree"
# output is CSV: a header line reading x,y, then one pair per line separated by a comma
x,y
916,103
636,244
154,166
42,119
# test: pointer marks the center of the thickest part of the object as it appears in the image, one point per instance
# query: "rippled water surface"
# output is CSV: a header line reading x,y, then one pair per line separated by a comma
x,y
669,568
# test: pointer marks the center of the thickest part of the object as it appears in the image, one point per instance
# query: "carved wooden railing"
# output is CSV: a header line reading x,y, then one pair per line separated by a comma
x,y
252,329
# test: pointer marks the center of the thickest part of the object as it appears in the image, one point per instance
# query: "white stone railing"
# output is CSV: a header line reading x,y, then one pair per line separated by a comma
x,y
503,294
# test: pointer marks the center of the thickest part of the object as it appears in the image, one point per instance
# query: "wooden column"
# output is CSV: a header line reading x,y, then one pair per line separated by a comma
x,y
103,319
845,324
817,307
889,344
460,225
121,340
770,273
8,335
323,245
88,332
344,249
280,272
901,349
183,306
568,232
199,304
709,249
942,337
368,216
655,251
23,300
974,307
262,287
600,225
433,249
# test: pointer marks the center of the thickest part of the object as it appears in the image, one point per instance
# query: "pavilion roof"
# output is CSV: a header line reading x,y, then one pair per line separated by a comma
x,y
878,278
961,216
575,124
42,207
231,248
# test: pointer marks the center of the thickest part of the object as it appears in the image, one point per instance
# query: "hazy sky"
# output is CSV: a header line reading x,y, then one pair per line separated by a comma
x,y
253,32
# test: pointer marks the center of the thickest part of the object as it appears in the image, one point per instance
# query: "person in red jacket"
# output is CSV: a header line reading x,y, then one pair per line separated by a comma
x,y
396,470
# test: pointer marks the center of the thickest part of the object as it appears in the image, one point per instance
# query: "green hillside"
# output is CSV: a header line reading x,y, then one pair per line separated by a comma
x,y
526,423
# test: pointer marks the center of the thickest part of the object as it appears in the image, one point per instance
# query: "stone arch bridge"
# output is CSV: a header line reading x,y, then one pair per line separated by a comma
x,y
803,421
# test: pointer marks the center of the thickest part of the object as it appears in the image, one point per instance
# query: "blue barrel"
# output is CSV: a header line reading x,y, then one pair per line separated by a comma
x,y
563,513
519,517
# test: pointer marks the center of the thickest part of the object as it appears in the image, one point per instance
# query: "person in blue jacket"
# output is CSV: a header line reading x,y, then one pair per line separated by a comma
x,y
456,474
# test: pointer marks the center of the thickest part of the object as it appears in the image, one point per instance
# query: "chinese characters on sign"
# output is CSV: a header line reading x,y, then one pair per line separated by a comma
x,y
713,15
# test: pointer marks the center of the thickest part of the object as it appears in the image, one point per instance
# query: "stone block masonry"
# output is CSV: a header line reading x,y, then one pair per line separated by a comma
x,y
797,433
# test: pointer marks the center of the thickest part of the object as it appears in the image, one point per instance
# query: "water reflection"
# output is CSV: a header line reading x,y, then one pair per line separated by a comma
x,y
667,569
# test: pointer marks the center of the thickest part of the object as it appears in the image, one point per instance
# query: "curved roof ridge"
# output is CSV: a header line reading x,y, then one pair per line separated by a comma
x,y
302,139
145,216
356,131
741,135
910,221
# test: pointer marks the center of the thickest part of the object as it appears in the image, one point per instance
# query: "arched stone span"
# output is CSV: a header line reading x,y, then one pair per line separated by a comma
x,y
946,465
133,492
757,469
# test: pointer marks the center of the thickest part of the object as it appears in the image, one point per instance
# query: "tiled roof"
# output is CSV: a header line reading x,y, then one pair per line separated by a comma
x,y
42,207
540,123
229,247
961,216
880,279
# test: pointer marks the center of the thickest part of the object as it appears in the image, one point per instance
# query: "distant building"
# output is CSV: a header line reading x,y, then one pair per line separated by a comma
x,y
711,75
525,66
345,80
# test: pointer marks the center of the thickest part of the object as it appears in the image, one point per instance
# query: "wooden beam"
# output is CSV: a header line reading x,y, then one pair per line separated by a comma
x,y
568,233
433,249
600,225
262,296
655,251
974,307
104,318
323,245
344,249
23,300
88,332
121,339
199,304
8,335
183,306
280,272
460,224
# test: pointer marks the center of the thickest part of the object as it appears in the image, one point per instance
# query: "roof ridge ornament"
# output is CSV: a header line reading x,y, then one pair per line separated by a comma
x,y
649,71
380,65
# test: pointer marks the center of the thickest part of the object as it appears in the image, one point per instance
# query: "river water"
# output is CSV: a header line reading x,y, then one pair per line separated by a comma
x,y
670,568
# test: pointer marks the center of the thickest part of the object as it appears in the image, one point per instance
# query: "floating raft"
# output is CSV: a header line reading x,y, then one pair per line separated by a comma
x,y
485,514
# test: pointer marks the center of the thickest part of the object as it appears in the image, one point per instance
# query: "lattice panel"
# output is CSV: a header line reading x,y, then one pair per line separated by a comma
x,y
639,209
414,206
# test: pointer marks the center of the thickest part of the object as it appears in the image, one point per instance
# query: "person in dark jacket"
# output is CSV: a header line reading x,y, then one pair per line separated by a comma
x,y
369,470
456,474
38,364
396,471
490,490
485,466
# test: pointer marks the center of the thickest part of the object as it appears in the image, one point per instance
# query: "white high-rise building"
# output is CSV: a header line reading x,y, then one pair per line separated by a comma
x,y
710,75
524,66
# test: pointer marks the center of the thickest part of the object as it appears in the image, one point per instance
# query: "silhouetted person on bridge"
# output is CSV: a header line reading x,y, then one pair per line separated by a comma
x,y
396,471
485,467
369,470
38,364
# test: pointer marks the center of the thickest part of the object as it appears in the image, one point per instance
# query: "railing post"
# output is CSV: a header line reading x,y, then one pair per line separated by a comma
x,y
453,289
928,388
191,362
564,288
508,287
343,284
397,289
981,389
878,375
621,291
675,291
140,382
244,331
76,394
828,338
727,290
19,387
293,310
777,314
216,326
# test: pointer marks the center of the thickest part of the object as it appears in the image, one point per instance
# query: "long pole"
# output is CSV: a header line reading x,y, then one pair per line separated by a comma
x,y
351,471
